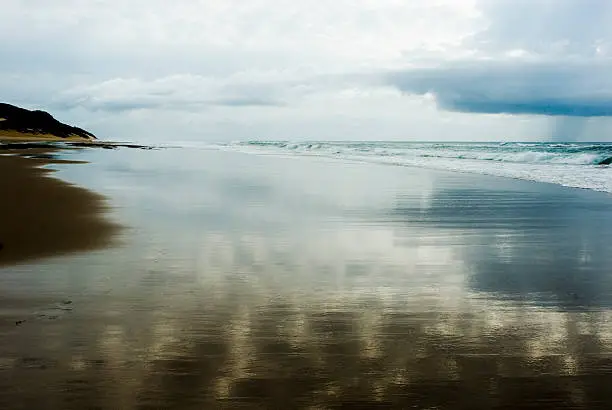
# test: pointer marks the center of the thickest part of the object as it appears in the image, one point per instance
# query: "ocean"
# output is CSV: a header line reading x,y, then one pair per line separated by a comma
x,y
568,164
324,275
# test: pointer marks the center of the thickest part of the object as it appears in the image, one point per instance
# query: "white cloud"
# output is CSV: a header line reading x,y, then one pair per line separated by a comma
x,y
546,27
233,33
177,92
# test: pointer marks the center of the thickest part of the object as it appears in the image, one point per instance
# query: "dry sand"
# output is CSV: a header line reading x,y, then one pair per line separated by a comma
x,y
13,136
42,216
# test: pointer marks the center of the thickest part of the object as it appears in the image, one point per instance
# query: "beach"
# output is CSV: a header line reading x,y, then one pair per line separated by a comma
x,y
268,281
42,216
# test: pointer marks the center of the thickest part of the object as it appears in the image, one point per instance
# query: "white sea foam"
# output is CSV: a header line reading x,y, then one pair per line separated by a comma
x,y
571,165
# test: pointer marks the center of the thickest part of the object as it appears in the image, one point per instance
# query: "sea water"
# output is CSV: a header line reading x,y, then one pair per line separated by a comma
x,y
568,164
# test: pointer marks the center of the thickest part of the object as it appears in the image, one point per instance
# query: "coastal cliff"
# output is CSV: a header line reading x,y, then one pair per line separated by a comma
x,y
19,123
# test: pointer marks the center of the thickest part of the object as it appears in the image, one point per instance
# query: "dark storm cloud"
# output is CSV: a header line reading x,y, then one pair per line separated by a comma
x,y
534,57
555,88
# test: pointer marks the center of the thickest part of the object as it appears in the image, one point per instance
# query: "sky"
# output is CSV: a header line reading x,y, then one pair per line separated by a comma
x,y
227,70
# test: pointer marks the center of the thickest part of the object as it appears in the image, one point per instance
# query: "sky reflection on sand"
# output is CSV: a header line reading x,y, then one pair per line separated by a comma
x,y
311,283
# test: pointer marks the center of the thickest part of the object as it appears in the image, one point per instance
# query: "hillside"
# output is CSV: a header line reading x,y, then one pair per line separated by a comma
x,y
16,122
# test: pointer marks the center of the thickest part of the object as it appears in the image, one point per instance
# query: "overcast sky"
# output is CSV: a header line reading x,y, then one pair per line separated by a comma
x,y
218,70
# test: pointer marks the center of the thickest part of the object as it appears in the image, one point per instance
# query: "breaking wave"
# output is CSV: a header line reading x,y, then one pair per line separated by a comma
x,y
577,165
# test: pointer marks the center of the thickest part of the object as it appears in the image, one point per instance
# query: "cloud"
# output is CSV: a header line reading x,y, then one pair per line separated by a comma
x,y
543,57
553,88
269,65
222,36
195,92
545,27
178,92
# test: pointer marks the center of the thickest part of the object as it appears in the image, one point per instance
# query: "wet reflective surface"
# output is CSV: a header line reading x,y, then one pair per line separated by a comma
x,y
267,282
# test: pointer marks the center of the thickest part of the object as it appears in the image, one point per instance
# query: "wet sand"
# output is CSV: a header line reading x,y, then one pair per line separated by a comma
x,y
264,282
41,216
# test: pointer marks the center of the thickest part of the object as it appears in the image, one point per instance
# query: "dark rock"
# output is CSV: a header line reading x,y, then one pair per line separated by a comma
x,y
109,145
24,145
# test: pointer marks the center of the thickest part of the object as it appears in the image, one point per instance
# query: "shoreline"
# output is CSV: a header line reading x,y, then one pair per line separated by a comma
x,y
43,216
